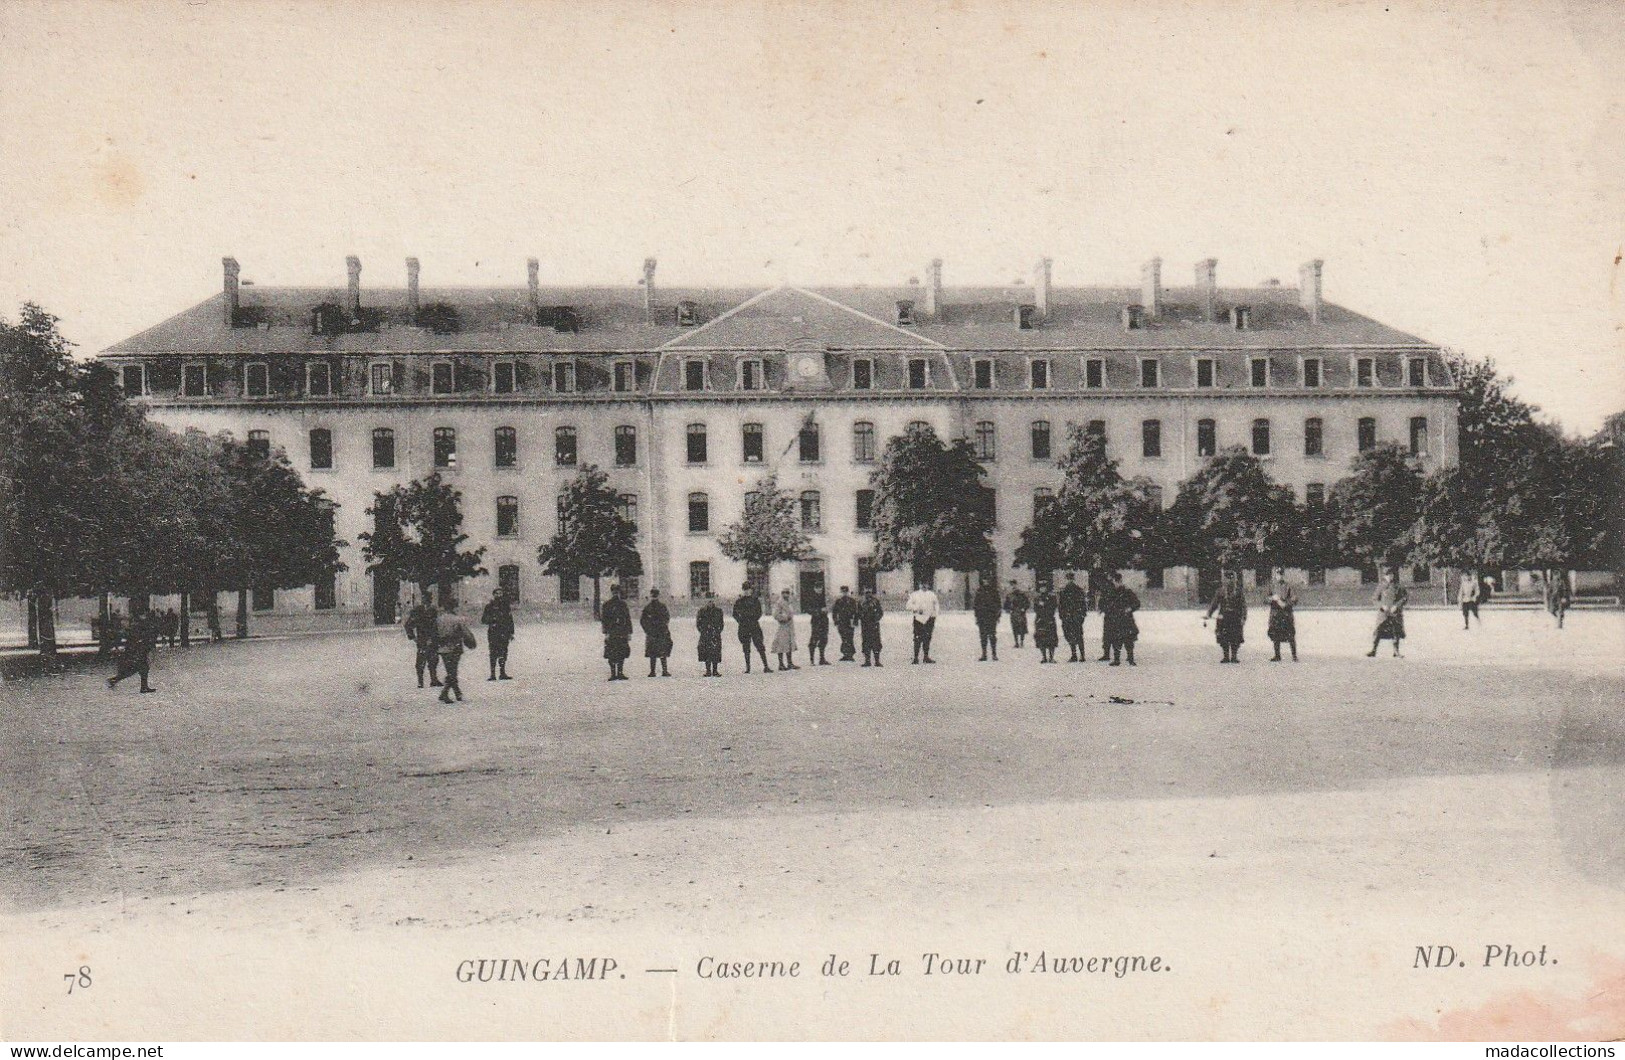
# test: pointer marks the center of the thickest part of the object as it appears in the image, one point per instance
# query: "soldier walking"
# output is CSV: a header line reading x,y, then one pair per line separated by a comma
x,y
987,607
616,622
420,630
1044,635
656,623
709,622
1558,594
1073,604
869,614
748,616
498,620
844,613
1230,603
142,637
452,636
1016,602
1391,599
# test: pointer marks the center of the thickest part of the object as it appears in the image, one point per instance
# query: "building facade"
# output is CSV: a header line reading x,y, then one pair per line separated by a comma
x,y
687,397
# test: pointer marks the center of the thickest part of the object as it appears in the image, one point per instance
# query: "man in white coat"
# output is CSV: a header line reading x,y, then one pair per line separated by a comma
x,y
924,605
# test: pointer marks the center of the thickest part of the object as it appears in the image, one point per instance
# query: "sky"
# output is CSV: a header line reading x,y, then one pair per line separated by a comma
x,y
1460,167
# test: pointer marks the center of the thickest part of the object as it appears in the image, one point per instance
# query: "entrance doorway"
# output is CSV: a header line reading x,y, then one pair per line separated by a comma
x,y
386,599
811,584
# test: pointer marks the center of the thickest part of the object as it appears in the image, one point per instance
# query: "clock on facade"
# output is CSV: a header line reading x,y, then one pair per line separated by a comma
x,y
807,367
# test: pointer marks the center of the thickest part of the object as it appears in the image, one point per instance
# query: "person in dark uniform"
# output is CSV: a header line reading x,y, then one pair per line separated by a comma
x,y
215,635
1559,597
869,613
710,623
1016,602
1470,592
1391,599
656,623
420,627
987,607
616,621
748,616
1044,635
145,629
1117,605
1283,627
844,612
817,631
1073,604
498,620
1230,603
452,636
172,626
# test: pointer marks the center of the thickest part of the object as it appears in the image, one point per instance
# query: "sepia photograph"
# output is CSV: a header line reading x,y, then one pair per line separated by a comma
x,y
727,520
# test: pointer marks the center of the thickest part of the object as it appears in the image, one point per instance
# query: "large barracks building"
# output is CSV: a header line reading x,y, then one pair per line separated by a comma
x,y
688,396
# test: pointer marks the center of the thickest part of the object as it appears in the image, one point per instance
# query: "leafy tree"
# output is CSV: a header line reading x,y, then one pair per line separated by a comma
x,y
1230,515
594,539
768,532
1375,508
417,535
931,510
1098,520
1465,524
1492,426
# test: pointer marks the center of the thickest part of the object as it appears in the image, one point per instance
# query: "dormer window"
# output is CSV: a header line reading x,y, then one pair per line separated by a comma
x,y
195,381
1312,372
1026,317
905,313
625,380
564,377
504,377
256,379
1150,373
1259,372
133,379
442,377
1094,373
919,373
1365,371
694,375
558,317
1038,374
1241,317
688,314
981,375
751,375
1205,372
1133,317
863,374
1416,370
318,379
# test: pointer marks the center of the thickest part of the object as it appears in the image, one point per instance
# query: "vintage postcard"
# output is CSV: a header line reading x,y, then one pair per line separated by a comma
x,y
726,519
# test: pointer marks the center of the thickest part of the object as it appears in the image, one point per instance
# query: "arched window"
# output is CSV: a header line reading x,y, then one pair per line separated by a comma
x,y
1041,440
918,425
259,443
1365,434
506,446
445,447
383,447
812,511
626,446
807,443
696,443
321,449
1261,437
751,443
699,513
1207,437
863,442
986,441
507,516
564,446
1314,436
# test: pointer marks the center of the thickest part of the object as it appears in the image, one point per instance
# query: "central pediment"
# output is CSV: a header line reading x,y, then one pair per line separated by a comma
x,y
792,319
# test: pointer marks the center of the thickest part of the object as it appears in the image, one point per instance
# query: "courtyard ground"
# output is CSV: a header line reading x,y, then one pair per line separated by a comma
x,y
290,840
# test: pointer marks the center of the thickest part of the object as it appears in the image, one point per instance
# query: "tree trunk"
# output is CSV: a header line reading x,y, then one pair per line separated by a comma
x,y
242,614
45,608
186,620
596,601
104,616
33,623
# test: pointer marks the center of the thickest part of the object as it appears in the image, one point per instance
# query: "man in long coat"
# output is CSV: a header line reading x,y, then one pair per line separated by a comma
x,y
784,637
844,613
1283,626
142,638
615,619
452,636
987,607
1044,636
1073,604
748,616
817,632
656,623
1230,603
1391,599
498,621
869,613
1016,602
420,626
1117,603
709,622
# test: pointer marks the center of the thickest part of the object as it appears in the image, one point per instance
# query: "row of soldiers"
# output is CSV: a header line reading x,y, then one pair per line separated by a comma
x,y
441,638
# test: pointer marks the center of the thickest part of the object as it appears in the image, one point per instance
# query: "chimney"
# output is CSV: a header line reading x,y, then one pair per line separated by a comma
x,y
1207,288
352,300
649,290
533,269
1151,287
1041,274
412,286
1309,289
933,289
231,271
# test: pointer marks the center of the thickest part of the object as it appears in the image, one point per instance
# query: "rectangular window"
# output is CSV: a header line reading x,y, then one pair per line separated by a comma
x,y
564,377
863,442
1207,437
321,449
383,380
982,372
195,381
569,588
383,447
1150,372
694,375
259,444
627,507
508,581
1261,437
696,443
1094,373
1365,371
626,446
863,374
625,377
133,377
807,443
812,511
319,379
986,441
699,579
1417,371
1419,435
1311,372
1038,375
865,510
507,516
505,446
1366,433
1041,440
1259,368
990,505
1204,372
751,375
564,446
445,447
867,581
442,377
919,373
1151,438
262,597
699,513
1421,574
505,377
1314,436
1096,428
1317,576
326,591
751,443
256,380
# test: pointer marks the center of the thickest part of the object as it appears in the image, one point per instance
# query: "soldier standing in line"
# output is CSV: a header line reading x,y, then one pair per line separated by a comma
x,y
1073,604
498,620
656,623
1044,636
844,612
1117,604
1231,605
817,632
869,613
987,607
709,622
924,606
1016,602
145,628
616,622
784,638
420,630
1283,626
452,636
748,616
1391,599
172,626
